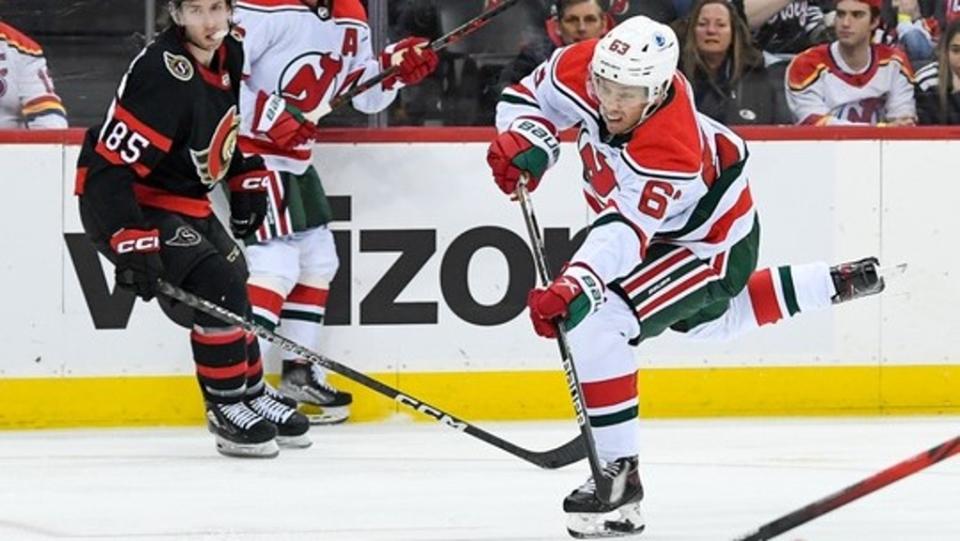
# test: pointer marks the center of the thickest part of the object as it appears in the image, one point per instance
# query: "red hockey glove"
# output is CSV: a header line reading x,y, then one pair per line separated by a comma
x,y
528,146
414,59
281,122
248,202
137,261
570,298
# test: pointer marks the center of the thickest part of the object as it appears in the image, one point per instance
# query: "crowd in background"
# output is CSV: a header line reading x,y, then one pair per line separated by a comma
x,y
750,61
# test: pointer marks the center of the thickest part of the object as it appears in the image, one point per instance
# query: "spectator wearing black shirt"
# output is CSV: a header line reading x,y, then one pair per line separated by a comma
x,y
938,84
570,21
730,82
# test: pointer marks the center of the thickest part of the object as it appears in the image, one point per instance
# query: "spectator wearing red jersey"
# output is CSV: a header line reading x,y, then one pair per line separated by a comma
x,y
851,80
27,97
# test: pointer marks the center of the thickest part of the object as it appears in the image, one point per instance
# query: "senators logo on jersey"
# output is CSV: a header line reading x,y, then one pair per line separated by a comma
x,y
213,162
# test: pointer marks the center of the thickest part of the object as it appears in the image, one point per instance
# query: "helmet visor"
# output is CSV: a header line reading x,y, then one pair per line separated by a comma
x,y
609,92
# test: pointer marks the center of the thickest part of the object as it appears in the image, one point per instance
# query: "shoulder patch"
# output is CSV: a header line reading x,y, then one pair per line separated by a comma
x,y
887,54
19,41
806,67
179,66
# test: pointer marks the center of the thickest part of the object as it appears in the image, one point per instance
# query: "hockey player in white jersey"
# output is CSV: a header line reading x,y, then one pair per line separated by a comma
x,y
852,81
300,54
27,97
673,244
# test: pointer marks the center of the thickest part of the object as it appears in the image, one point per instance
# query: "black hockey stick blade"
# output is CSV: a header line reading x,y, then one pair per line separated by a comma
x,y
451,37
855,491
568,453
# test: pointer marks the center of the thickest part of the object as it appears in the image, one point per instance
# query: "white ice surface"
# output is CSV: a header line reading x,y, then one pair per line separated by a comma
x,y
400,481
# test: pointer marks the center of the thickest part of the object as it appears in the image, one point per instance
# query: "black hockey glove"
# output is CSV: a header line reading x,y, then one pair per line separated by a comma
x,y
138,264
248,202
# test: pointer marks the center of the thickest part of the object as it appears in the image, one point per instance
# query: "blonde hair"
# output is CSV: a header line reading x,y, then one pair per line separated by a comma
x,y
742,53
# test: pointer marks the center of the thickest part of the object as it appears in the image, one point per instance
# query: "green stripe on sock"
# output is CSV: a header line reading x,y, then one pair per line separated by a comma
x,y
789,292
610,419
301,316
264,322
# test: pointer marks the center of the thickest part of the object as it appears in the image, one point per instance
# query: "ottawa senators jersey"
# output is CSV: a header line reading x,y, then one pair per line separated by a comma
x,y
822,89
677,177
292,52
169,135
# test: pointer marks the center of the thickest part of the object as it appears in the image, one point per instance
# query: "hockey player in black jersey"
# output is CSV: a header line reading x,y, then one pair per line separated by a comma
x,y
169,137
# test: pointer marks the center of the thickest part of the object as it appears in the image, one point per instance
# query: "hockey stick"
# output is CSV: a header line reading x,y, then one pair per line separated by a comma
x,y
568,453
442,42
855,491
604,484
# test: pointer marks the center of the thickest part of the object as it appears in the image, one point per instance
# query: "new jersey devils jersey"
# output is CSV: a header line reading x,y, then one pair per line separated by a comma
x,y
27,97
677,177
822,89
169,135
292,52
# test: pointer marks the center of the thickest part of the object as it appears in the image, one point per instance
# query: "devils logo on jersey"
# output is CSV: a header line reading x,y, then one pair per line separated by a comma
x,y
308,78
212,163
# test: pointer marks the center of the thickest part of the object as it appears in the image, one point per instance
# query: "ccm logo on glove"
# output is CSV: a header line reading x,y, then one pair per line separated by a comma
x,y
128,241
253,182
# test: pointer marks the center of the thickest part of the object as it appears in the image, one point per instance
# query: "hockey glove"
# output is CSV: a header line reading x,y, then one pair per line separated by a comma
x,y
138,264
528,146
248,202
570,298
414,60
281,122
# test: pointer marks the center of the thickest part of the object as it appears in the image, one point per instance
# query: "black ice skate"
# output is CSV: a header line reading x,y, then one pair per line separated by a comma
x,y
588,517
241,432
306,383
291,425
273,393
856,279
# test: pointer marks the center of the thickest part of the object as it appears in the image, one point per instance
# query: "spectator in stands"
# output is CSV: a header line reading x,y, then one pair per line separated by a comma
x,y
570,21
851,80
917,35
783,28
938,84
729,79
779,26
27,97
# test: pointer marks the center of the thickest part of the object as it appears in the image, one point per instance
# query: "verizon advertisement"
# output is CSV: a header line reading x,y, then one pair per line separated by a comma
x,y
435,264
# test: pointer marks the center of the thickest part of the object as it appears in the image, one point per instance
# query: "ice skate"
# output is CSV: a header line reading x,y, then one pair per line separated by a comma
x,y
590,518
292,426
856,279
306,383
241,432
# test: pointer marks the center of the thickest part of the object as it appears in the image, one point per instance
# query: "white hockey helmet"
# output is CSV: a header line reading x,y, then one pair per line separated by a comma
x,y
638,52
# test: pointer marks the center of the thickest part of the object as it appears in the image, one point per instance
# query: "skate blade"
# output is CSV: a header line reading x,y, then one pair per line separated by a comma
x,y
294,442
606,525
330,415
267,449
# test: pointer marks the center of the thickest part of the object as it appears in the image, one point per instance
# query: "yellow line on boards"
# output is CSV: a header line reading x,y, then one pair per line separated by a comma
x,y
477,396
